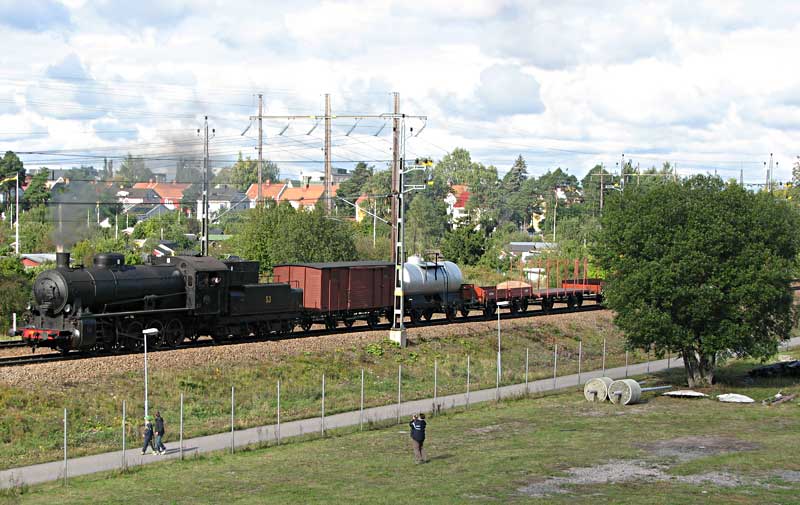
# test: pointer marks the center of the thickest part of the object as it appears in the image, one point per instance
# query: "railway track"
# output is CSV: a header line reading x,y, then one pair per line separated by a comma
x,y
73,355
11,344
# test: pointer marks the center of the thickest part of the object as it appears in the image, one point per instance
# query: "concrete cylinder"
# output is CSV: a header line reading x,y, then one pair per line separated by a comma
x,y
624,392
596,390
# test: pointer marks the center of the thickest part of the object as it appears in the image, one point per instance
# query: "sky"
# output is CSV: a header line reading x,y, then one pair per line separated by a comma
x,y
707,85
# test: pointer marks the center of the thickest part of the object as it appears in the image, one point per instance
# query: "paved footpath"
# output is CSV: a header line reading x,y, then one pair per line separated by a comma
x,y
44,472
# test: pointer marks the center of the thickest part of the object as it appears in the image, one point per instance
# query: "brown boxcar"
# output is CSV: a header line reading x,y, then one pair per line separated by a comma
x,y
352,287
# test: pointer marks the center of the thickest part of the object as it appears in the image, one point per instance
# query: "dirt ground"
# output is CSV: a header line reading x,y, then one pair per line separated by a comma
x,y
653,468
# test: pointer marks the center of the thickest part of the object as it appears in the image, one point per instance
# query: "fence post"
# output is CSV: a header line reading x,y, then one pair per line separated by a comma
x,y
399,381
555,365
648,360
626,363
232,419
527,355
604,357
669,358
322,417
65,447
580,357
361,412
467,380
278,427
181,433
14,322
435,383
123,434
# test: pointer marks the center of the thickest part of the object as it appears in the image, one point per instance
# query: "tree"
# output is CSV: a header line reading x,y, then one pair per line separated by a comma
x,y
700,268
274,234
513,180
37,192
168,225
353,187
426,223
463,245
244,172
133,170
11,167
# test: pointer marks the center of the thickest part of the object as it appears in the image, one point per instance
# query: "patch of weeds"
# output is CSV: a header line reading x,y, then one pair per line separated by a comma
x,y
374,349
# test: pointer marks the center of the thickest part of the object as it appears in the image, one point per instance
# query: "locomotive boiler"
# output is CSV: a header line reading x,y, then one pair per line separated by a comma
x,y
107,305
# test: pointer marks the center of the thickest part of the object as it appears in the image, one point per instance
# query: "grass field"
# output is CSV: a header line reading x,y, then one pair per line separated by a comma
x,y
31,416
554,449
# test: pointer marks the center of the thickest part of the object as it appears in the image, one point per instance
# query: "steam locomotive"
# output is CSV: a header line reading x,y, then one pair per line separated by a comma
x,y
108,305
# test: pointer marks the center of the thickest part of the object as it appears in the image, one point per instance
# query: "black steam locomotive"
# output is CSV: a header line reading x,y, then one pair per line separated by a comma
x,y
108,305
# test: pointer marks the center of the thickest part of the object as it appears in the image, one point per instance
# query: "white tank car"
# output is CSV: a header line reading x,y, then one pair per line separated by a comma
x,y
422,277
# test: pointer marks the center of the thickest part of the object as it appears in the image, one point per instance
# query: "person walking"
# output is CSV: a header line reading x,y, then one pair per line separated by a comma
x,y
159,428
418,425
148,435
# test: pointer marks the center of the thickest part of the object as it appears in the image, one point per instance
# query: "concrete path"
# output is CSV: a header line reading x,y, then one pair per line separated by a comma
x,y
44,472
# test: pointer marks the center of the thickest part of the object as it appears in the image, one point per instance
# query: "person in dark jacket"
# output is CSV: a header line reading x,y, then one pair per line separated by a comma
x,y
159,429
417,425
148,435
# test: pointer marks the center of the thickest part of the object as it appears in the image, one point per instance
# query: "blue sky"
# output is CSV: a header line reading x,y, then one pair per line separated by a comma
x,y
707,85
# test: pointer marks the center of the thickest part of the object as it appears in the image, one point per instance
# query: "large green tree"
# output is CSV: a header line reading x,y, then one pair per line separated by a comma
x,y
244,172
37,192
700,268
275,234
133,170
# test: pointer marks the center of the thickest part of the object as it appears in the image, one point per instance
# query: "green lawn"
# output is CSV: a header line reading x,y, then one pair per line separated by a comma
x,y
502,453
31,416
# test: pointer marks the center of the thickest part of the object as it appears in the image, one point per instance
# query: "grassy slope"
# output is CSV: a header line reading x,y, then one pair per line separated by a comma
x,y
31,418
484,455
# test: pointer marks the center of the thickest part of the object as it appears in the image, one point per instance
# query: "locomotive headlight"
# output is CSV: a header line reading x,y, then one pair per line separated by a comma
x,y
67,308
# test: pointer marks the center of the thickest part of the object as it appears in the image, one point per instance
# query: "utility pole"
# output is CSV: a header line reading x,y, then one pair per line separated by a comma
x,y
16,217
206,179
260,147
622,172
769,174
328,116
396,183
602,188
328,182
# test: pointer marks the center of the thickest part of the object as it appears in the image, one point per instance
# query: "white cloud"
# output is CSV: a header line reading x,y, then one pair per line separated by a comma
x,y
569,83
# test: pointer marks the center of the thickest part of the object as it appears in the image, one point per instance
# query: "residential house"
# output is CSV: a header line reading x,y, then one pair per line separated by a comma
x,y
269,190
338,175
34,260
456,201
129,197
222,199
143,212
306,196
170,193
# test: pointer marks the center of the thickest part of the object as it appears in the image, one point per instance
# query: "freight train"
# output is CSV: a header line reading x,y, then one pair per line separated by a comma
x,y
107,306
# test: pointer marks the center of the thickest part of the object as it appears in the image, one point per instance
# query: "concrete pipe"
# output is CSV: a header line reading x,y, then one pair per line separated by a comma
x,y
596,390
624,392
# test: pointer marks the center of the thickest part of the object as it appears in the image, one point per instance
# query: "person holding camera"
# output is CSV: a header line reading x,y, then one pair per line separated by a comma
x,y
418,425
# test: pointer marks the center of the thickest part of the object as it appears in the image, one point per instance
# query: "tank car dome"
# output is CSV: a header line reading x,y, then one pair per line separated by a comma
x,y
50,290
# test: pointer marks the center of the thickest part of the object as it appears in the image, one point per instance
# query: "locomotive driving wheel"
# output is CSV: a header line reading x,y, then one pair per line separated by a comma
x,y
133,336
159,340
174,333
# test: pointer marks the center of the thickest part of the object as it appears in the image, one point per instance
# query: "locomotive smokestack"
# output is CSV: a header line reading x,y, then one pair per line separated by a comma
x,y
62,259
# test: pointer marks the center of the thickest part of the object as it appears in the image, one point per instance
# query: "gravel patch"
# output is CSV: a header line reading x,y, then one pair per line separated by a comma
x,y
615,472
693,447
80,371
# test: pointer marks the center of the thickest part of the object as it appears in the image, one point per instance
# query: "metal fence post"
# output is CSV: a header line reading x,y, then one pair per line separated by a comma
x,y
123,434
361,412
555,365
648,360
580,358
399,382
232,419
278,427
527,356
435,383
65,447
467,380
669,358
322,417
604,357
181,432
